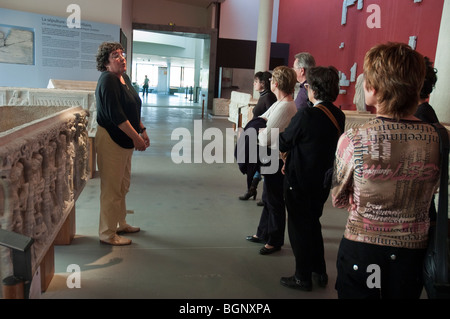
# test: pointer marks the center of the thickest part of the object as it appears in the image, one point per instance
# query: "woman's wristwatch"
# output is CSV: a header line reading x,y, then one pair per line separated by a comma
x,y
142,130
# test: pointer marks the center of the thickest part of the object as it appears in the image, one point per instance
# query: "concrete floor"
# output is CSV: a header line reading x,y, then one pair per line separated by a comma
x,y
192,243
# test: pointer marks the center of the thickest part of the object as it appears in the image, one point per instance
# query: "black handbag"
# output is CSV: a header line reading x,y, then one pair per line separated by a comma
x,y
436,264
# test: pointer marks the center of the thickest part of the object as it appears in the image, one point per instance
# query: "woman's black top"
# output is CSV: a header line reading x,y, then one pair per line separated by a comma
x,y
266,99
117,103
426,113
311,140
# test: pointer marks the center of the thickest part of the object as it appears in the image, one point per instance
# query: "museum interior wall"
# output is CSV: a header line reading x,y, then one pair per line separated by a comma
x,y
39,47
317,27
296,23
47,159
104,11
441,95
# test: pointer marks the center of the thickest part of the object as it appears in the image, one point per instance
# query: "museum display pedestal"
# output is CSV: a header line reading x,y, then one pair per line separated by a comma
x,y
240,107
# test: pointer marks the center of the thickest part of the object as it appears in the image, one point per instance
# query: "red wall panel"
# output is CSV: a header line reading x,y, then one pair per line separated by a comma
x,y
315,26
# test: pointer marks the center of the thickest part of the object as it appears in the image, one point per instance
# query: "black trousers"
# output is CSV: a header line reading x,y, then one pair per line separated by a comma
x,y
272,223
399,270
305,231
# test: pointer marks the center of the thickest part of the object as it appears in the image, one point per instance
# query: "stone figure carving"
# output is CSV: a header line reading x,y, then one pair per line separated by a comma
x,y
58,98
38,185
19,192
41,175
61,184
16,99
359,98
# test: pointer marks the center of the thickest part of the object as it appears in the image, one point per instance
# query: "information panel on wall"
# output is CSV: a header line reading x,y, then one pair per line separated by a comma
x,y
35,48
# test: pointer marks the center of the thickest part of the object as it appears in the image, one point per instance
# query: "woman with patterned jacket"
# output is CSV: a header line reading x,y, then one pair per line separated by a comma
x,y
386,172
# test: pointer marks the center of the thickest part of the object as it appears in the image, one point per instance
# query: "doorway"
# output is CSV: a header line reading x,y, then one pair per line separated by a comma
x,y
177,61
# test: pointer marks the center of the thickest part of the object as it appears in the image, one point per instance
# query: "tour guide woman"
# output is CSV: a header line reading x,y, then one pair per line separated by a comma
x,y
120,131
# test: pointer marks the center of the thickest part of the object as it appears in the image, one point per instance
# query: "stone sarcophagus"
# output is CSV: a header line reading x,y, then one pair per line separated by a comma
x,y
239,108
59,94
43,169
56,97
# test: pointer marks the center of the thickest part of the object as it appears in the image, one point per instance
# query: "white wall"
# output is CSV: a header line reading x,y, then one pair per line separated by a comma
x,y
51,50
440,98
118,12
239,20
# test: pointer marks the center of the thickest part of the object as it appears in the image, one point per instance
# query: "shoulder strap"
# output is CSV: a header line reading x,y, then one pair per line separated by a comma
x,y
442,216
331,117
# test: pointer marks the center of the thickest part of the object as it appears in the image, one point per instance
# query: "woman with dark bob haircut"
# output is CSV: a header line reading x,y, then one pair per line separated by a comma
x,y
310,142
120,132
324,82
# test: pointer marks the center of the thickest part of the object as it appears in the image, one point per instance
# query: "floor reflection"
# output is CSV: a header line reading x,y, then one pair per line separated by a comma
x,y
169,100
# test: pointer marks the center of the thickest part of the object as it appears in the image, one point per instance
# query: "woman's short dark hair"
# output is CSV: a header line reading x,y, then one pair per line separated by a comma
x,y
264,78
104,50
430,79
324,81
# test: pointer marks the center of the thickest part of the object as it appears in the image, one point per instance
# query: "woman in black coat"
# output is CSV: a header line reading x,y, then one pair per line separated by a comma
x,y
310,142
261,84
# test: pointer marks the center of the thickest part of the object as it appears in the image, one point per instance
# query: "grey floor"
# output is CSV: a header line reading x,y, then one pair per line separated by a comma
x,y
192,243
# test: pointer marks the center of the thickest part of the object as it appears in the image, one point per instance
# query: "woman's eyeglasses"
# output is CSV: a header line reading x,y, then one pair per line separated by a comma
x,y
118,56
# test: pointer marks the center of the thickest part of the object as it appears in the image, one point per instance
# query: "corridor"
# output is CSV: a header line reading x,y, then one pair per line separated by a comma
x,y
193,227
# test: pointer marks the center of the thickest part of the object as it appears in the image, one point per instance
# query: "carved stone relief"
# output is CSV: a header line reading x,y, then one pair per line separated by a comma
x,y
239,104
43,169
10,96
359,98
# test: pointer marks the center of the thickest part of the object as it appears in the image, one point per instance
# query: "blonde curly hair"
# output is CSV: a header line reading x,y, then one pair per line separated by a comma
x,y
286,79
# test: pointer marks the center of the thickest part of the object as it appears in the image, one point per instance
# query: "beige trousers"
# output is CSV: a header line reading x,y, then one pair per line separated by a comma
x,y
114,166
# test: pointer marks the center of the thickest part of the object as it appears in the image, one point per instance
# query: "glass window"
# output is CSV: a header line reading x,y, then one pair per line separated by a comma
x,y
189,77
175,76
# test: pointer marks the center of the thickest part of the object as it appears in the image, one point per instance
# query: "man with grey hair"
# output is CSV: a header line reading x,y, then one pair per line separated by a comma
x,y
303,61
